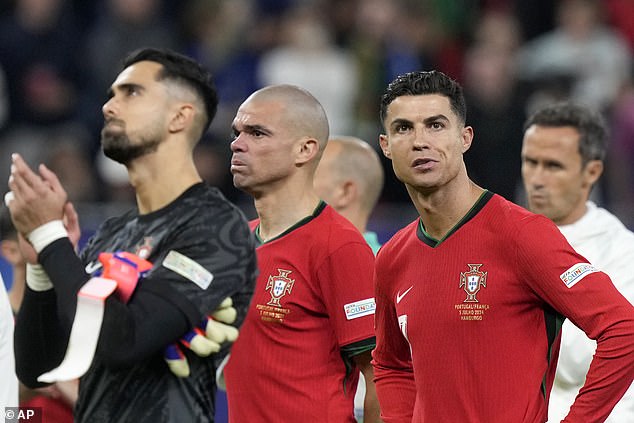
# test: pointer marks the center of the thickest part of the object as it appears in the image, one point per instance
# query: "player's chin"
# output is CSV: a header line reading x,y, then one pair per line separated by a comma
x,y
239,180
538,203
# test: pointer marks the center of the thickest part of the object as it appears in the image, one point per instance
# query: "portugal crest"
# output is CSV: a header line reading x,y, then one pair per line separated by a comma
x,y
471,281
279,286
144,249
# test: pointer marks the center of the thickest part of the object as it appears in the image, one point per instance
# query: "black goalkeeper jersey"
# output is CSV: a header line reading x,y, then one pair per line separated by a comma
x,y
129,380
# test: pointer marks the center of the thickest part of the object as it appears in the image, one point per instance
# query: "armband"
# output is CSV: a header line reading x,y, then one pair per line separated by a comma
x,y
36,278
43,235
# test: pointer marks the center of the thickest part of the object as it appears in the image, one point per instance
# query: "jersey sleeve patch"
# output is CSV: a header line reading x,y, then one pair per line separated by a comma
x,y
577,272
359,308
188,269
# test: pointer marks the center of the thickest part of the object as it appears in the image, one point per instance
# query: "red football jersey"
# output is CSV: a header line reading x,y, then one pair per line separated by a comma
x,y
313,296
467,328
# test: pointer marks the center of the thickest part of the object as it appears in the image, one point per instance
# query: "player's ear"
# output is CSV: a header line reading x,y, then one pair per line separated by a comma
x,y
384,142
308,149
10,250
182,118
467,138
348,192
592,172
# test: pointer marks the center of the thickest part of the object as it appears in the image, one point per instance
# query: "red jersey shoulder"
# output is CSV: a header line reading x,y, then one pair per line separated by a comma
x,y
339,228
504,212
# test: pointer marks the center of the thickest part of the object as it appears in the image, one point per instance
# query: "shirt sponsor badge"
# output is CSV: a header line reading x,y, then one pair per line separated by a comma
x,y
577,272
359,308
188,268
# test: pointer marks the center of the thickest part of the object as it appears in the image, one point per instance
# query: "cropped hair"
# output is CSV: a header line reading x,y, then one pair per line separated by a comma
x,y
421,83
184,70
590,124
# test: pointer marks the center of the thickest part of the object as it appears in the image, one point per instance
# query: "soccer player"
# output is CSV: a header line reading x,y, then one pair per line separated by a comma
x,y
350,179
470,296
562,159
199,245
309,328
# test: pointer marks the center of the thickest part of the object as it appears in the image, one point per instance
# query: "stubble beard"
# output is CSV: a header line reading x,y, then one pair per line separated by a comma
x,y
117,146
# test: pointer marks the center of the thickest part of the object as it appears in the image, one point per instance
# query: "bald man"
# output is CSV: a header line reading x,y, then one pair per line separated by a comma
x,y
309,329
350,179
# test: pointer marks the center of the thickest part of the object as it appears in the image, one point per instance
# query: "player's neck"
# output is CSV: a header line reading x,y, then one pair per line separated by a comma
x,y
279,210
441,210
575,215
159,183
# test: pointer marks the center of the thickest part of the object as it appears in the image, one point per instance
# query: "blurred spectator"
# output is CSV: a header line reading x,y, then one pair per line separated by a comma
x,y
495,104
224,36
454,20
74,169
581,47
368,33
620,14
59,57
620,172
121,26
212,159
535,17
38,52
4,101
308,57
14,274
387,38
62,147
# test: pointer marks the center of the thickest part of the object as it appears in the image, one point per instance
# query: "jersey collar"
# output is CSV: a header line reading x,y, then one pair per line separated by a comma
x,y
433,242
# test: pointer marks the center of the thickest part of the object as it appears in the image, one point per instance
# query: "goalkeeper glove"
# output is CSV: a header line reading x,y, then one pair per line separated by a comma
x,y
205,339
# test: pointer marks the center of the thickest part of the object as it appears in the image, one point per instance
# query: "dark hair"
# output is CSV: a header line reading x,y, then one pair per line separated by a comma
x,y
419,83
184,70
589,123
7,230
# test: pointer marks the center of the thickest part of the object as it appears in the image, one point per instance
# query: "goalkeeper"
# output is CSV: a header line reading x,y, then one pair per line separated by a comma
x,y
198,246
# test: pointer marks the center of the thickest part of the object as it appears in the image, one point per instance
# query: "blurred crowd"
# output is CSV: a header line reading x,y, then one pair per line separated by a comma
x,y
58,58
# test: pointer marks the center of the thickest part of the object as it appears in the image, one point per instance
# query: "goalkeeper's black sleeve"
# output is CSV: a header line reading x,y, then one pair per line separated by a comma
x,y
39,339
155,317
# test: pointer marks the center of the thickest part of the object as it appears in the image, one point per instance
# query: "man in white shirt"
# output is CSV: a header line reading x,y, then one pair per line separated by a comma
x,y
562,158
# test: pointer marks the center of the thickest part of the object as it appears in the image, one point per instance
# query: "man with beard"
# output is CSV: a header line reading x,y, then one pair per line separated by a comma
x,y
198,243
